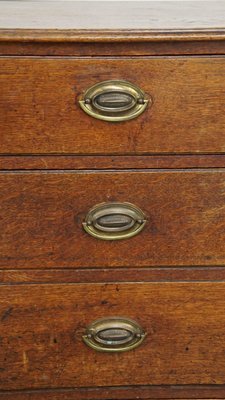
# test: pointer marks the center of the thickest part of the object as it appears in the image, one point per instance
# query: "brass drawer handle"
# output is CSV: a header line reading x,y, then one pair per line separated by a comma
x,y
114,221
114,334
114,101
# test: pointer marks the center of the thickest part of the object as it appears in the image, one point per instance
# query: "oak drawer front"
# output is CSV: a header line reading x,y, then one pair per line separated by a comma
x,y
40,110
42,328
42,216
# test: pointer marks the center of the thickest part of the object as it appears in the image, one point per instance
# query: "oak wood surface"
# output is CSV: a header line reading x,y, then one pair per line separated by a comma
x,y
174,265
68,162
131,393
111,394
42,215
187,115
116,48
137,28
42,325
96,275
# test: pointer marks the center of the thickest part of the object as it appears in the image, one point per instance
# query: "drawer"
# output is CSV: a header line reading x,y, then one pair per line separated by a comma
x,y
42,216
42,327
41,115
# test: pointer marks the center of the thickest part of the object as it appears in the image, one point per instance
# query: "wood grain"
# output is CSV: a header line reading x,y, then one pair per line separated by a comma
x,y
107,35
187,115
42,215
118,394
61,162
113,393
96,275
42,325
143,48
54,278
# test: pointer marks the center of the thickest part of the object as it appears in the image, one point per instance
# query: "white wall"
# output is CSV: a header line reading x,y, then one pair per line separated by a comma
x,y
100,0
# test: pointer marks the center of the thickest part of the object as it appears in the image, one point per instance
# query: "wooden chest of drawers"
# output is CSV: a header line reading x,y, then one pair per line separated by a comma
x,y
112,206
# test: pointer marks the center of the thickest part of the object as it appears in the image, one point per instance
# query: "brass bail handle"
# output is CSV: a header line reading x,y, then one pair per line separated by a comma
x,y
114,334
114,100
114,221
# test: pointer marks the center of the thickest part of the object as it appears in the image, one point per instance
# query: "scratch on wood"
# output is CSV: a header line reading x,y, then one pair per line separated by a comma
x,y
25,361
6,314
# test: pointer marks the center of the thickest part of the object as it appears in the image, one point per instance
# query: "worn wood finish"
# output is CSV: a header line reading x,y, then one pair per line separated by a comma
x,y
131,393
95,275
151,28
41,333
187,115
119,394
108,35
42,215
49,48
110,162
57,163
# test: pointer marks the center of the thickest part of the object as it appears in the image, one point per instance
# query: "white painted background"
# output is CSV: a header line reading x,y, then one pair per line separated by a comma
x,y
179,1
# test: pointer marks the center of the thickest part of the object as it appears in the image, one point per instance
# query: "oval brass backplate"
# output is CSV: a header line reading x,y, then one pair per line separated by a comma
x,y
114,101
114,334
114,221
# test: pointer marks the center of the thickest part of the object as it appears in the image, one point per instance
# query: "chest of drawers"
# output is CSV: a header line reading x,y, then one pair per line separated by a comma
x,y
112,206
